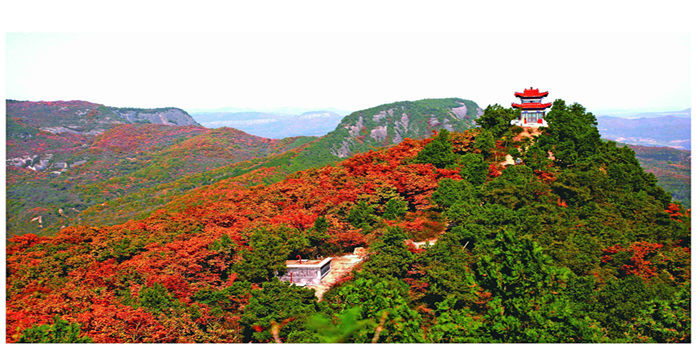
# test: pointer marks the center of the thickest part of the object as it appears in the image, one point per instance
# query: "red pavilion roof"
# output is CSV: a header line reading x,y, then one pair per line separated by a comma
x,y
531,93
531,105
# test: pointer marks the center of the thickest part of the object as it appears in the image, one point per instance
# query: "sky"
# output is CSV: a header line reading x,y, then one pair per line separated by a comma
x,y
605,72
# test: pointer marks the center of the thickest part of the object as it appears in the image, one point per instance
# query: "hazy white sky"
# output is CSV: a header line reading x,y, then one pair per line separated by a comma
x,y
349,71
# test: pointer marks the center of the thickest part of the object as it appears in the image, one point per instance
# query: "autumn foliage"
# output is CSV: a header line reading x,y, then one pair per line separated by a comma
x,y
547,250
98,276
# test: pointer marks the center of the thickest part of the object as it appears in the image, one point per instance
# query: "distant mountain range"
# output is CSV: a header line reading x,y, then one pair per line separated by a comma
x,y
273,125
657,129
685,113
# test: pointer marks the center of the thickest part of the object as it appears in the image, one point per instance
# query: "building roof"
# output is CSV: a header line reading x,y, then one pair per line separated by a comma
x,y
531,105
308,263
529,93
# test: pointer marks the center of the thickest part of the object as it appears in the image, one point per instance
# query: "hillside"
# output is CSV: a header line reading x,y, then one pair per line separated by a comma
x,y
80,117
43,134
670,166
574,244
52,176
416,119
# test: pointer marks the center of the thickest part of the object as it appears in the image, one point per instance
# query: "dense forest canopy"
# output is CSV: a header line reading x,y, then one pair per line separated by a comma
x,y
572,243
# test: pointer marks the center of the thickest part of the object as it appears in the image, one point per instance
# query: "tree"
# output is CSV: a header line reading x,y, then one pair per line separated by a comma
x,y
60,331
438,152
384,307
450,192
362,216
485,142
473,168
323,329
496,119
277,303
321,224
455,325
536,158
156,299
526,287
391,256
395,209
516,187
572,133
267,258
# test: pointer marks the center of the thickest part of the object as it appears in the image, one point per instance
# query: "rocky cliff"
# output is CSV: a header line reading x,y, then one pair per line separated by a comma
x,y
391,123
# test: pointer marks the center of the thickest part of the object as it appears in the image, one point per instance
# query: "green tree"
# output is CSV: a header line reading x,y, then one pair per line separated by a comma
x,y
496,119
666,320
572,134
60,331
473,168
362,215
276,303
536,158
438,152
485,143
321,224
384,306
323,329
395,209
267,258
157,299
526,286
450,192
391,256
455,325
516,187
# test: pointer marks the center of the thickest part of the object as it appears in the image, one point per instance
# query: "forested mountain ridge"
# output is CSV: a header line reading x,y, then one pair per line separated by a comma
x,y
110,202
576,243
389,124
124,159
86,118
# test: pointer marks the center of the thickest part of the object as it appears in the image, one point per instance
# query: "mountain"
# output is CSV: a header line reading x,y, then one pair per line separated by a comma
x,y
64,157
664,131
80,117
41,133
452,243
391,123
315,123
413,120
685,113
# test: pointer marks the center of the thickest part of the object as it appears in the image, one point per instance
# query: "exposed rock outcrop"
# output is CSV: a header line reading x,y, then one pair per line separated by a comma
x,y
378,133
392,123
164,116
